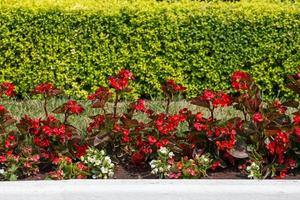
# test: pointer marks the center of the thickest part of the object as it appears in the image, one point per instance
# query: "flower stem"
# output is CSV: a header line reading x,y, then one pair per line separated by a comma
x,y
168,105
45,106
212,113
116,104
66,118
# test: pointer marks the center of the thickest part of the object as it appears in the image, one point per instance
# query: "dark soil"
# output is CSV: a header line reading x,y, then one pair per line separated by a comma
x,y
129,172
133,172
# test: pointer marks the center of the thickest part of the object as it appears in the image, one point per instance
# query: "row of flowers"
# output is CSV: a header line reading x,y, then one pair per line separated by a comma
x,y
263,143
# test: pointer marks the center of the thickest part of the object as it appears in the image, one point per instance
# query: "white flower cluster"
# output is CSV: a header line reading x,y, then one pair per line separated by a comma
x,y
204,161
161,166
254,171
99,163
3,174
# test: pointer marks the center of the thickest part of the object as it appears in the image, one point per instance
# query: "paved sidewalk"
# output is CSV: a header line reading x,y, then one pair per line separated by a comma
x,y
151,190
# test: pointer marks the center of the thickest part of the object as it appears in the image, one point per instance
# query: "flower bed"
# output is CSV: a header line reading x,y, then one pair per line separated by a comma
x,y
264,143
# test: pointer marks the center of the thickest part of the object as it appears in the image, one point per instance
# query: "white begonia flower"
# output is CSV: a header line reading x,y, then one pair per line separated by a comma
x,y
171,154
102,152
153,163
154,171
161,169
110,174
104,170
2,171
163,150
107,158
91,159
98,162
251,175
153,166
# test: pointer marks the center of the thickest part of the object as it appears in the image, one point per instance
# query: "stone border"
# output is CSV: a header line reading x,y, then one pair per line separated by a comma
x,y
151,190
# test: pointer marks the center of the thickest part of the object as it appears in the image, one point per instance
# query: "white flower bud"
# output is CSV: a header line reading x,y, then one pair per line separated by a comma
x,y
163,150
171,155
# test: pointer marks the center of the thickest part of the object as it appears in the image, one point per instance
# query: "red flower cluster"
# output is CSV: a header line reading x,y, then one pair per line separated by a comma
x,y
226,137
152,140
223,136
7,88
171,86
139,105
185,168
166,124
208,95
30,164
240,80
289,164
60,159
46,133
3,109
43,88
9,156
10,141
66,168
120,81
47,89
221,99
57,175
96,123
202,124
81,166
296,119
216,164
279,145
101,93
2,158
160,143
216,98
279,107
125,137
80,150
296,130
145,147
257,117
72,107
137,158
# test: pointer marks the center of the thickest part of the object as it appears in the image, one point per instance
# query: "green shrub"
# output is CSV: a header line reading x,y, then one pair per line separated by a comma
x,y
76,45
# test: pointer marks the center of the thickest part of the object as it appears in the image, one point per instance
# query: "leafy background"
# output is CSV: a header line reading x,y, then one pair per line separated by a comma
x,y
77,44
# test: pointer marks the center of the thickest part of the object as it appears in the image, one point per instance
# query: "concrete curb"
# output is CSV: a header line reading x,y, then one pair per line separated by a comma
x,y
151,189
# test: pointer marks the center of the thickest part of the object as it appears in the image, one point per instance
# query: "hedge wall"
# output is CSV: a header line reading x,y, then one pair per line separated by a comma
x,y
198,44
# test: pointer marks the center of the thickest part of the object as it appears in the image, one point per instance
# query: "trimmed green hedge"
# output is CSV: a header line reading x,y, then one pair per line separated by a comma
x,y
198,44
